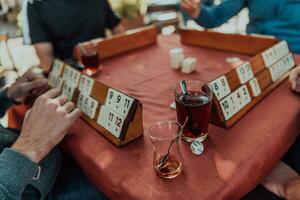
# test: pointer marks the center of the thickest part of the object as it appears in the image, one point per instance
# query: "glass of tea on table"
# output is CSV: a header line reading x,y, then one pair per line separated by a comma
x,y
90,59
167,157
193,101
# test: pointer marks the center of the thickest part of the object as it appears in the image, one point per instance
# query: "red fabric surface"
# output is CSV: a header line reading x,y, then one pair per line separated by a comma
x,y
234,160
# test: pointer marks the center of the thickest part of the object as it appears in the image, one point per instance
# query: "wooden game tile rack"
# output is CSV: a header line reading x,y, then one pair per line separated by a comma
x,y
237,43
132,124
94,94
118,44
240,89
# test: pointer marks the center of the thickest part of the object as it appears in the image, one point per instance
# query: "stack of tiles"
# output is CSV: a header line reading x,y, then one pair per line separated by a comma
x,y
188,65
176,57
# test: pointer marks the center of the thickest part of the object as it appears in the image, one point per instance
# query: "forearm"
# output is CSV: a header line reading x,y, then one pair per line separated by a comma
x,y
16,172
118,29
214,16
45,54
279,178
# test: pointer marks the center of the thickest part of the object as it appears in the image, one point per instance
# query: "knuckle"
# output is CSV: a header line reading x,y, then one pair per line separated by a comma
x,y
21,87
55,90
62,111
63,96
52,104
71,105
41,99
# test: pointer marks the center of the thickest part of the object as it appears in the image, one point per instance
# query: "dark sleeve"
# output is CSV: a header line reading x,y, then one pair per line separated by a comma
x,y
5,102
37,29
112,19
16,172
208,2
215,15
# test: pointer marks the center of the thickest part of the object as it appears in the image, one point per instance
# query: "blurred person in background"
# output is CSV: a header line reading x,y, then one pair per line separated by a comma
x,y
284,180
279,18
56,27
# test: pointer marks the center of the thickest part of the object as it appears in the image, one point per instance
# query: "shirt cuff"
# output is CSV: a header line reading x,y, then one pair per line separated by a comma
x,y
5,102
16,171
114,21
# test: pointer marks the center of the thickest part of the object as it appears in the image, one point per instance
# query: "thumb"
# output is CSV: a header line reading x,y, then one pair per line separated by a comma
x,y
293,77
26,116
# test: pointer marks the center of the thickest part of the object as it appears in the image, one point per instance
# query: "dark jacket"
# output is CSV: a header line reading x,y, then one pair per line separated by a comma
x,y
16,170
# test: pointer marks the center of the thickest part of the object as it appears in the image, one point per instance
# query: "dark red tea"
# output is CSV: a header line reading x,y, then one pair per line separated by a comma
x,y
91,62
197,107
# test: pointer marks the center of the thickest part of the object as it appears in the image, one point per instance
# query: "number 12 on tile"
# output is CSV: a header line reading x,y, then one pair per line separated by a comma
x,y
111,121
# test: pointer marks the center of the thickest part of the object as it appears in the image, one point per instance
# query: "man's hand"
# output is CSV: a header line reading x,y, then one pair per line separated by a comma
x,y
279,178
45,125
295,79
192,7
292,190
119,29
30,84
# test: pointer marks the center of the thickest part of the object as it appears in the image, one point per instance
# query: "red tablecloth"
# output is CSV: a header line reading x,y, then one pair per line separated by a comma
x,y
234,160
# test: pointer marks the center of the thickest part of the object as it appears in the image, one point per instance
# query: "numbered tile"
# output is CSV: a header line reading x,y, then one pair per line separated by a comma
x,y
275,53
57,67
283,48
92,107
282,67
59,83
85,106
256,91
290,62
80,101
75,78
71,76
66,72
274,74
237,99
246,98
245,72
65,90
221,87
234,107
51,80
86,85
118,102
241,97
68,90
227,107
110,120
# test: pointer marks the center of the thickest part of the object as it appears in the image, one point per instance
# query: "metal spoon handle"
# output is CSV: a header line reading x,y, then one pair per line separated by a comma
x,y
183,87
185,122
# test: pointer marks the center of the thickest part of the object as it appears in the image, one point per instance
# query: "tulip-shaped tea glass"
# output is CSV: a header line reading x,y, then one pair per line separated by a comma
x,y
167,158
90,59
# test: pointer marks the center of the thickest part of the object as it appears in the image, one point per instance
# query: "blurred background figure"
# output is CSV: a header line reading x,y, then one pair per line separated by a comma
x,y
55,27
277,18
